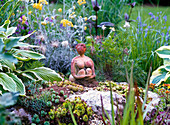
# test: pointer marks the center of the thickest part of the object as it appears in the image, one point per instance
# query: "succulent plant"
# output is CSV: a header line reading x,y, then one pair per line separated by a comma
x,y
46,123
79,108
57,101
49,103
62,92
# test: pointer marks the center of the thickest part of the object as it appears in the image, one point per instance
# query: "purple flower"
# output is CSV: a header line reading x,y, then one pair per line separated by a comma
x,y
126,17
153,17
157,12
150,13
160,12
29,32
132,4
162,34
157,19
165,18
144,25
149,27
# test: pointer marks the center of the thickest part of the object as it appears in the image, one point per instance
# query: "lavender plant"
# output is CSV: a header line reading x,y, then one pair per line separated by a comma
x,y
56,33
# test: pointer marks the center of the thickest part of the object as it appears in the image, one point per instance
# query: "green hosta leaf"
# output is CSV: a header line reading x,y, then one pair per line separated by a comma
x,y
159,75
7,82
43,73
9,57
10,31
11,42
1,45
8,63
19,84
163,52
21,44
26,55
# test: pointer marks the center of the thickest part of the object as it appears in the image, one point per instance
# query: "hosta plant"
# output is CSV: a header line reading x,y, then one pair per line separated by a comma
x,y
12,56
162,74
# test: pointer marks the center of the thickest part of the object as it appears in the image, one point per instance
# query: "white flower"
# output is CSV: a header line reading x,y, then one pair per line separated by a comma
x,y
103,27
69,10
55,44
93,17
75,26
64,43
0,92
127,24
112,28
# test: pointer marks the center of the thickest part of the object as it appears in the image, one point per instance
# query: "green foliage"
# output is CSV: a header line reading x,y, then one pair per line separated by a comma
x,y
10,54
6,100
69,109
162,74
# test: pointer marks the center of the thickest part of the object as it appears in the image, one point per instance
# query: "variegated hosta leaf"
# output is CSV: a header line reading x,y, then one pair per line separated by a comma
x,y
8,64
11,83
166,61
19,84
26,55
163,52
10,31
7,82
21,44
159,75
43,73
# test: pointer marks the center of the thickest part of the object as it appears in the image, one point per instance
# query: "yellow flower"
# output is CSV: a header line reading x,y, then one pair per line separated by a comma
x,y
59,10
34,5
66,22
80,2
46,3
23,22
43,23
52,24
52,17
112,28
13,14
29,12
85,18
85,27
39,6
24,18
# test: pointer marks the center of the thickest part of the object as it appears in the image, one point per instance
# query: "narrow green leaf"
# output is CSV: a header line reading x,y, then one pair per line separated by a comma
x,y
21,44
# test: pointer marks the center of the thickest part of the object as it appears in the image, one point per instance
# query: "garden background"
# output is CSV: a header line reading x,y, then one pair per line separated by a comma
x,y
127,40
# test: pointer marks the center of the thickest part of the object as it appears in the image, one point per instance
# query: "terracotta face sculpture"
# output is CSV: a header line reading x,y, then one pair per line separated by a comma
x,y
82,67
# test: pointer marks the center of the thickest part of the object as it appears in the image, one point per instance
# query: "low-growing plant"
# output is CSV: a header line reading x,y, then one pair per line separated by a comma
x,y
77,107
7,100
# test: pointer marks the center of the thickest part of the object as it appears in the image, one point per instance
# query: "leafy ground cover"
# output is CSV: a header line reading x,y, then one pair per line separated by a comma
x,y
124,35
